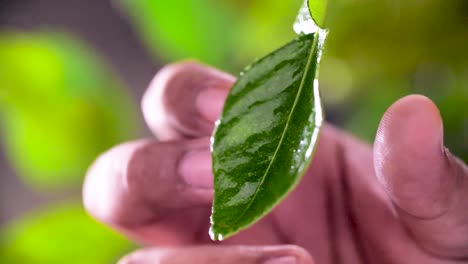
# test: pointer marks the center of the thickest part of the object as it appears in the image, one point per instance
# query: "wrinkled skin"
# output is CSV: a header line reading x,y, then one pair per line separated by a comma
x,y
403,201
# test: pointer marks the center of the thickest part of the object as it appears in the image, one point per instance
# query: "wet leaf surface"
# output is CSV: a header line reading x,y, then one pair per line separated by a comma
x,y
265,138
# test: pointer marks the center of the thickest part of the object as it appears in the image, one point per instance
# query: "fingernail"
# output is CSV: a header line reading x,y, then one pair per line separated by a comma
x,y
210,103
281,260
195,169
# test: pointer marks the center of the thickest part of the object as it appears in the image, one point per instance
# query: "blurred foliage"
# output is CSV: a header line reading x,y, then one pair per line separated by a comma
x,y
59,107
224,34
64,234
377,51
402,47
180,29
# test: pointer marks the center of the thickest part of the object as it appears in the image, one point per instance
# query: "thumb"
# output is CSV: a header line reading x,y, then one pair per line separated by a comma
x,y
428,186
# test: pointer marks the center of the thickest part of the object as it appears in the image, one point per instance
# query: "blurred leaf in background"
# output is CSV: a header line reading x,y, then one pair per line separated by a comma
x,y
395,48
377,51
181,29
264,25
226,34
64,234
59,107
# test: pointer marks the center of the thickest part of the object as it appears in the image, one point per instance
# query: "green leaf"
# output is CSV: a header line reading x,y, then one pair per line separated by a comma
x,y
266,135
61,234
318,10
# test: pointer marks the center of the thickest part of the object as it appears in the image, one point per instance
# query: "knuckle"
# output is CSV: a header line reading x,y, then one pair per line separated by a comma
x,y
150,170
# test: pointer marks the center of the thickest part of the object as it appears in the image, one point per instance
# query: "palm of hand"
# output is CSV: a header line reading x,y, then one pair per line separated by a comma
x,y
160,192
340,213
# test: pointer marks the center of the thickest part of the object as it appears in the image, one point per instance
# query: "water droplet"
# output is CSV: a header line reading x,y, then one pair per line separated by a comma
x,y
211,143
214,236
304,23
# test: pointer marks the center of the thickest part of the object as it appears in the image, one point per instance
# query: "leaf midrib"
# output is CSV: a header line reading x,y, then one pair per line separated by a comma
x,y
301,86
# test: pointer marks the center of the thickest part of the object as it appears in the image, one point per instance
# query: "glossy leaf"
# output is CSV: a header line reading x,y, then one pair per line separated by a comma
x,y
318,9
266,135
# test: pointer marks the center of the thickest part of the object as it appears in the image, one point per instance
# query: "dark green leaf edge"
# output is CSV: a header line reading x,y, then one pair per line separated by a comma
x,y
315,55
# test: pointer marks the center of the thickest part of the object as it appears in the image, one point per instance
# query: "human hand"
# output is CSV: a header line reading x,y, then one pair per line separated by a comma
x,y
404,201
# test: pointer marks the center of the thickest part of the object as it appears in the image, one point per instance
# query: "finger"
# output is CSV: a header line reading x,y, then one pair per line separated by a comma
x,y
221,255
426,183
184,100
161,192
153,191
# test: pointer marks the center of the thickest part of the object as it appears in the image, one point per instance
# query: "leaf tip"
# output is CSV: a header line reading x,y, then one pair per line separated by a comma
x,y
214,235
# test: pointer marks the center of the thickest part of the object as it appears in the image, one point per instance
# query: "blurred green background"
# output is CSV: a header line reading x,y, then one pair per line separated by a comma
x,y
72,73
